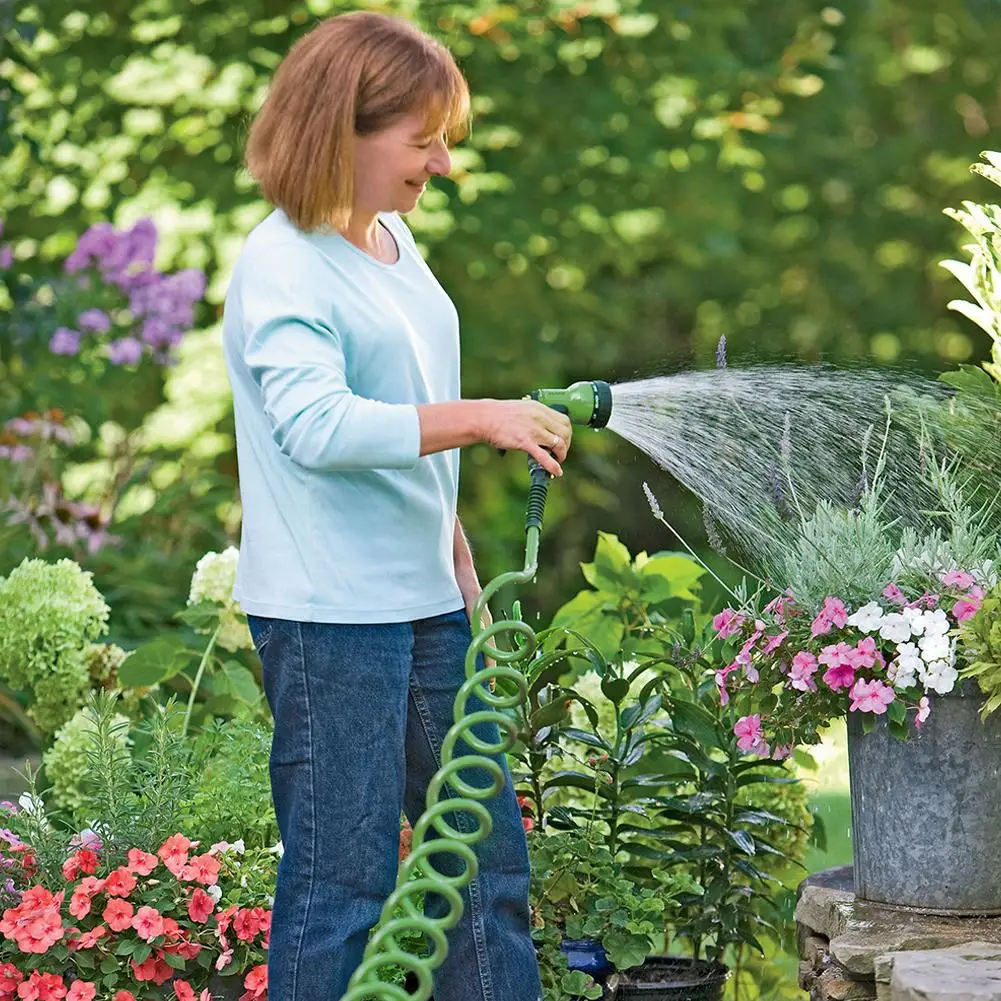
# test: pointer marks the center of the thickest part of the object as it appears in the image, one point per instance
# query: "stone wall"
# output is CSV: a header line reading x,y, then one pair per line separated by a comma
x,y
852,950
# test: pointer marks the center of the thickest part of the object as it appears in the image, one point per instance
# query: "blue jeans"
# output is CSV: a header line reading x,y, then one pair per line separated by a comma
x,y
360,715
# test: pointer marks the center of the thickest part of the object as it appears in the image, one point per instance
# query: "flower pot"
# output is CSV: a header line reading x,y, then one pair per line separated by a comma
x,y
671,978
587,955
926,812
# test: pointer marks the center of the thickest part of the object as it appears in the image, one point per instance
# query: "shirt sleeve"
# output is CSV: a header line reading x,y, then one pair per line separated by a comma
x,y
296,357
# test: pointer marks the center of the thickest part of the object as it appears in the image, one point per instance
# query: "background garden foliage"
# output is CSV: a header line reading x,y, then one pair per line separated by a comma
x,y
642,176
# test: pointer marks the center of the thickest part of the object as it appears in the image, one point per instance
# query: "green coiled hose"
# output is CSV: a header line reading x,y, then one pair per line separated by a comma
x,y
383,949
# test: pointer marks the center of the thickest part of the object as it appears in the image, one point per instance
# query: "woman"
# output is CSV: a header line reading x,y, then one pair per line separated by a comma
x,y
343,354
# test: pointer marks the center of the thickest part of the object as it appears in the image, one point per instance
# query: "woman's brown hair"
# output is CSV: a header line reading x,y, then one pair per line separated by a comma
x,y
352,74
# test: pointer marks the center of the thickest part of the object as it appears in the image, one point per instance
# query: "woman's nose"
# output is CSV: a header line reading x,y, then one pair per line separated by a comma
x,y
440,161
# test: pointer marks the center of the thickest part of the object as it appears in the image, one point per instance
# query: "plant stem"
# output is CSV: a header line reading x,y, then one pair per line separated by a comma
x,y
198,677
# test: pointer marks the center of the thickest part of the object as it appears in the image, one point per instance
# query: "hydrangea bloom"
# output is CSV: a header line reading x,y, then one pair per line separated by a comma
x,y
213,581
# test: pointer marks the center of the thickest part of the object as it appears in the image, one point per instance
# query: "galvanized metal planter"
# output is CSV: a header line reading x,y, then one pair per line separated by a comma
x,y
926,813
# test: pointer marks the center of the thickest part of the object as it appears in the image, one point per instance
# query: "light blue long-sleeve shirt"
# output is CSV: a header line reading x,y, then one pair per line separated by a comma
x,y
329,352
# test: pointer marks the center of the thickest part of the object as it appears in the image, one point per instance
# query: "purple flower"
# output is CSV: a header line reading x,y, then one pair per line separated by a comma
x,y
94,319
16,453
126,351
6,257
65,342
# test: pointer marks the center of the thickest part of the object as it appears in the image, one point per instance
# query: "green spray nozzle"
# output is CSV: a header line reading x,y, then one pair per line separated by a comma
x,y
585,403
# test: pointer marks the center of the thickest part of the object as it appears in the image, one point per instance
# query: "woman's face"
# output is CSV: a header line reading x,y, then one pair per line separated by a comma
x,y
392,166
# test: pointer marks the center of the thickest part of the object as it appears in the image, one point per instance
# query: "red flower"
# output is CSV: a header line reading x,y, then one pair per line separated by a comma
x,y
152,968
174,852
184,990
81,990
256,982
148,923
10,977
200,906
201,869
248,923
118,914
141,863
35,924
120,883
80,903
42,987
89,939
124,996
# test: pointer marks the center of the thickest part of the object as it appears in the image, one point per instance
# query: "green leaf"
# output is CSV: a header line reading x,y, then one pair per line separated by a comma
x,y
173,960
682,572
203,616
549,714
241,683
584,737
611,560
687,717
153,662
615,689
109,964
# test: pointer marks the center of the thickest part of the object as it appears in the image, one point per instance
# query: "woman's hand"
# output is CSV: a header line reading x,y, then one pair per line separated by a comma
x,y
529,426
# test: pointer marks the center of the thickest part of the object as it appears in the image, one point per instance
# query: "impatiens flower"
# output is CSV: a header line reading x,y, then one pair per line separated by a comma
x,y
728,622
896,628
90,938
924,711
870,696
935,647
79,904
782,751
124,996
721,677
868,618
81,861
774,642
148,923
200,906
202,869
256,983
120,883
839,659
833,615
174,853
941,677
907,666
864,655
141,863
748,732
959,579
804,666
10,977
893,593
967,607
42,987
82,990
936,622
118,914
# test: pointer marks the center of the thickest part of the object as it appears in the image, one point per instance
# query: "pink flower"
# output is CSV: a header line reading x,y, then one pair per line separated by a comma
x,y
924,711
81,990
748,732
201,869
256,983
840,671
967,607
804,666
200,906
148,923
832,615
728,622
864,655
141,863
894,594
959,579
782,751
124,996
777,606
774,642
870,696
118,914
174,853
120,883
42,987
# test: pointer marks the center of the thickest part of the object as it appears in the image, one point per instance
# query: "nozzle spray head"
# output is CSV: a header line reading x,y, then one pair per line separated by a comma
x,y
585,403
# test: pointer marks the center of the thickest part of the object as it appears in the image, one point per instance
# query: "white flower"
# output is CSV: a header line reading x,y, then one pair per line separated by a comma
x,y
277,848
941,677
213,581
269,899
936,622
215,892
32,805
238,846
901,675
868,618
896,628
916,618
908,666
935,646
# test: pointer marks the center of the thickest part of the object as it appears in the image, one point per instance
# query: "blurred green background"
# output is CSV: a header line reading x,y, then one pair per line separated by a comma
x,y
642,177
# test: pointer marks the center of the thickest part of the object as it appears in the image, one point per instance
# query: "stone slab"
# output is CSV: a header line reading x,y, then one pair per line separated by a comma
x,y
940,975
870,931
824,911
883,965
833,985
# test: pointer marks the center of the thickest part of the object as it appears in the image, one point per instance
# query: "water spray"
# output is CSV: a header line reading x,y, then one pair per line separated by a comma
x,y
587,404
